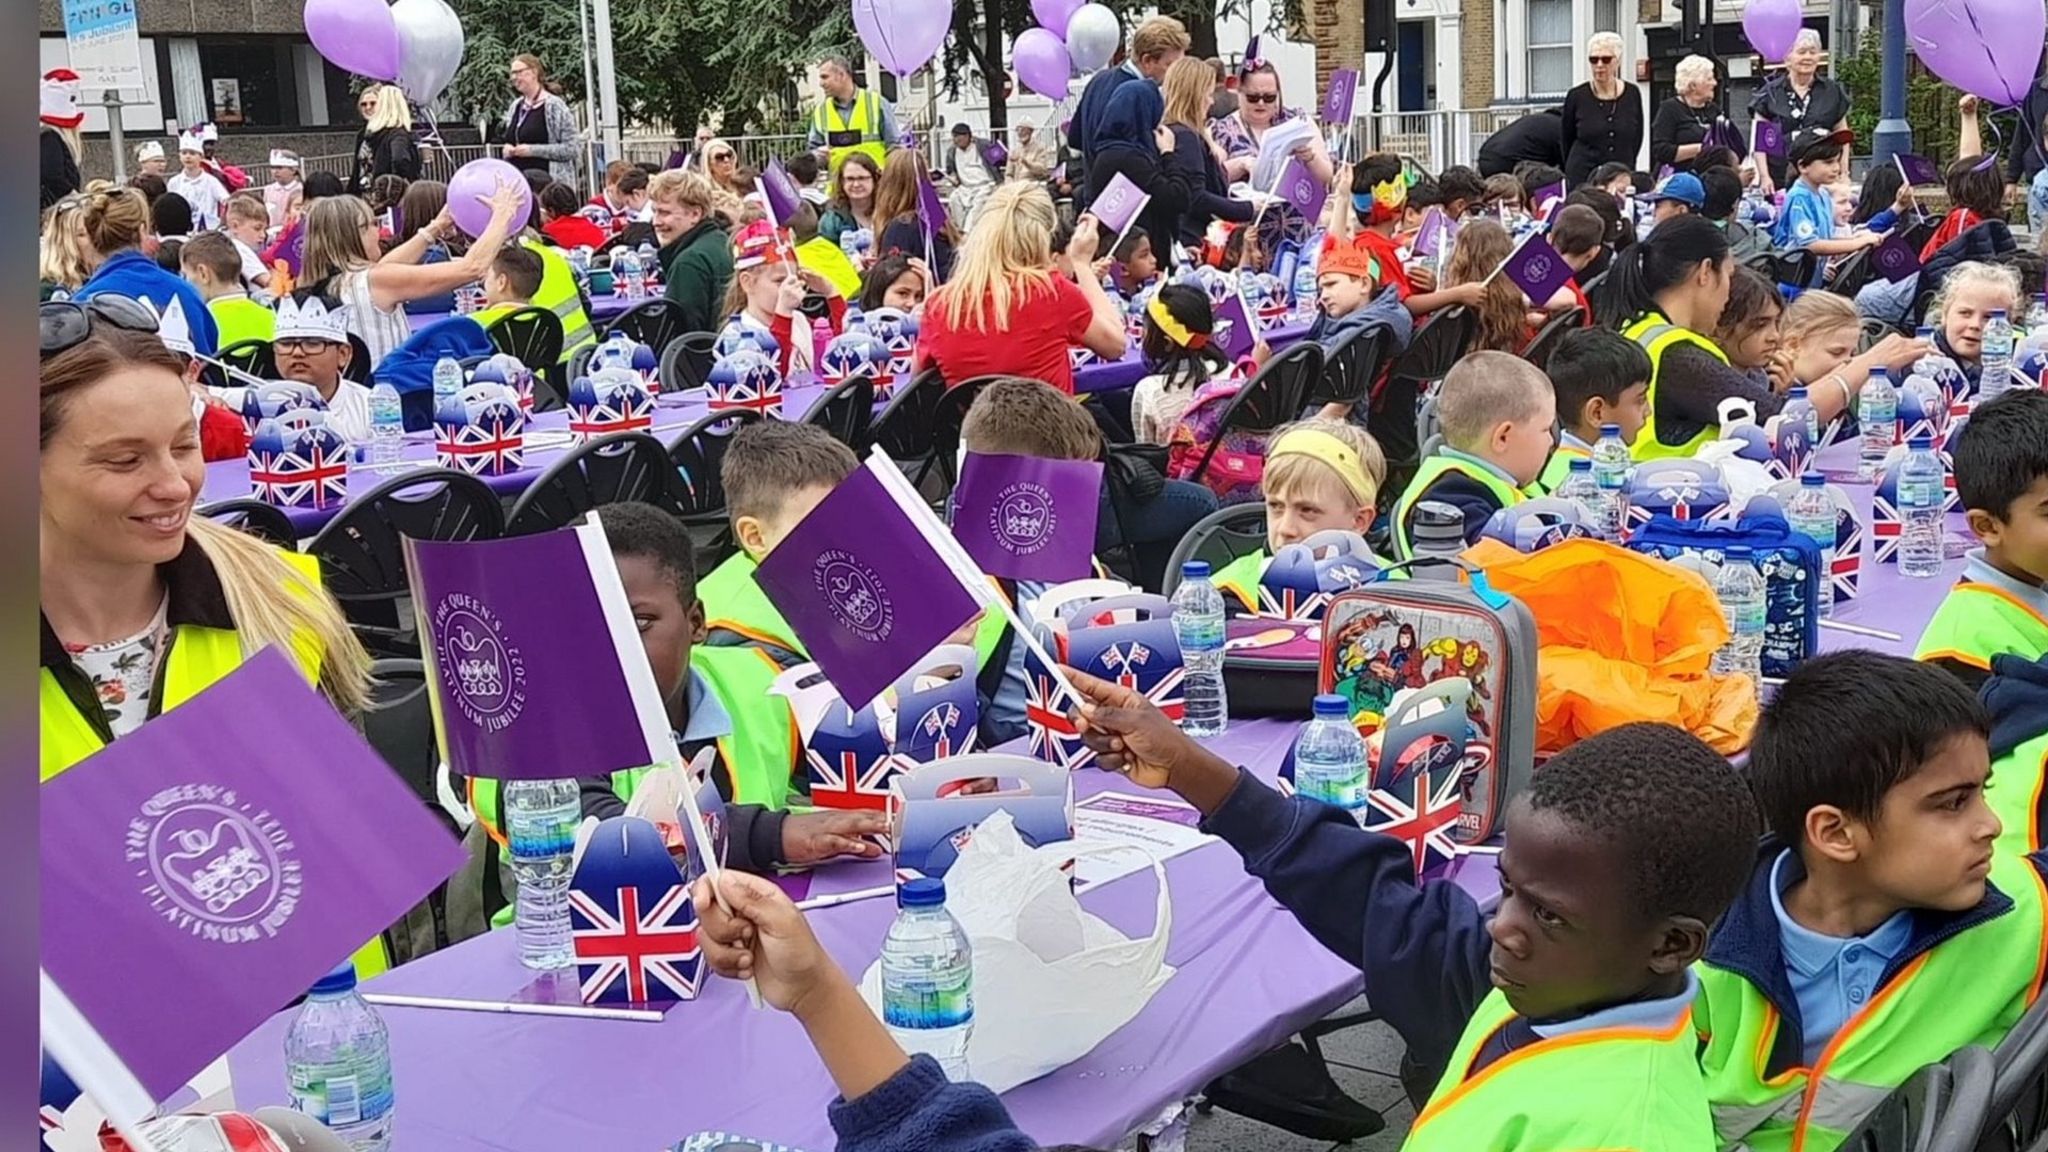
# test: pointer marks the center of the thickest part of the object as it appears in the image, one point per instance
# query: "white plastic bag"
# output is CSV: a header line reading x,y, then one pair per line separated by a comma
x,y
1746,479
1051,981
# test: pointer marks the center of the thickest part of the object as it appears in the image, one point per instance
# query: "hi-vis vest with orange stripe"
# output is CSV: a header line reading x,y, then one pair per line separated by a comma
x,y
1968,989
1635,1088
1978,621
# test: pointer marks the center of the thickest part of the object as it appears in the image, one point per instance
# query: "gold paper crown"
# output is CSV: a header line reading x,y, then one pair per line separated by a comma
x,y
1391,193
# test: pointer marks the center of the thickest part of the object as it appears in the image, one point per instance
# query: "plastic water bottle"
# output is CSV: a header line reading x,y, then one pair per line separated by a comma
x,y
1997,374
1740,589
1812,514
1611,463
541,818
579,260
1877,410
616,351
1436,539
1304,285
1198,625
928,978
849,243
337,1058
1330,759
447,381
1580,489
1922,493
626,280
2037,314
387,424
650,269
1799,407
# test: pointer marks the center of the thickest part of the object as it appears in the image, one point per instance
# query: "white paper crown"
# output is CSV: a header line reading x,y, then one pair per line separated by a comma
x,y
310,321
207,130
174,330
283,158
191,141
149,150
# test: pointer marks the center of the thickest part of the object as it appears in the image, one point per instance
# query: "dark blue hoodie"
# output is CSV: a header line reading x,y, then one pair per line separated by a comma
x,y
2016,695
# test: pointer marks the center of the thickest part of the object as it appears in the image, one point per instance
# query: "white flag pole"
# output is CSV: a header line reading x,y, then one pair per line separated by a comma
x,y
94,1066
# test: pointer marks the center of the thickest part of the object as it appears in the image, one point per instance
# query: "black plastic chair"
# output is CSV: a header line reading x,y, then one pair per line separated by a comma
x,y
1541,345
947,421
686,362
1272,397
698,453
1349,368
399,724
1852,274
2019,1096
907,427
651,322
579,364
266,522
256,357
615,469
533,336
847,411
362,550
1906,1120
358,368
1799,268
1220,537
1439,343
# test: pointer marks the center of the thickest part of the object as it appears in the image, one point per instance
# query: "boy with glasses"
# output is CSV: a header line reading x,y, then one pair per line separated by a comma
x,y
312,347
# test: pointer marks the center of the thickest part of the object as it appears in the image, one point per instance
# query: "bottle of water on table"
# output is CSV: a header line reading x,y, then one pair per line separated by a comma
x,y
928,978
447,381
1330,759
1579,488
1798,406
387,426
1198,625
1922,493
337,1058
1997,360
541,818
1611,462
1812,515
1877,412
1740,589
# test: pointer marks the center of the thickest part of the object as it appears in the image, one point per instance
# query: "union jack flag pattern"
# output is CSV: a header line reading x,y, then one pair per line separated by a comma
x,y
269,401
304,466
1943,449
1680,489
1846,570
600,407
487,441
632,925
1049,729
1885,524
746,379
850,761
897,330
1298,584
1137,653
1421,811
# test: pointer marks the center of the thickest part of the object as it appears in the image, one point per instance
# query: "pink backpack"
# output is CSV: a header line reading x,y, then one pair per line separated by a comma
x,y
1239,462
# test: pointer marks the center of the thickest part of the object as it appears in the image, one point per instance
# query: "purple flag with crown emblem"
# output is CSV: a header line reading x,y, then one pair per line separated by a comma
x,y
1301,189
1117,207
780,193
1429,237
1337,100
931,207
1537,269
1547,199
1894,258
1918,170
1767,138
1028,518
199,873
863,588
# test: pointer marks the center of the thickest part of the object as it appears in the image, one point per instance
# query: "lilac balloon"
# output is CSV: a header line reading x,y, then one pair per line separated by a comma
x,y
1988,48
1772,26
1052,15
481,177
1041,62
903,34
357,36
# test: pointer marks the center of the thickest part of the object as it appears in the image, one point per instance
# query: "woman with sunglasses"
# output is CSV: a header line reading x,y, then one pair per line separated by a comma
x,y
540,131
64,259
1603,118
385,144
118,230
722,164
1239,134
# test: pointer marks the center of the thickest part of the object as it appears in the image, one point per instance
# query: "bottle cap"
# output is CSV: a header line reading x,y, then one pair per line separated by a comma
x,y
1925,331
1613,430
1439,529
1998,313
924,892
1580,464
1811,479
1330,705
1921,443
1798,392
1736,552
1194,570
342,979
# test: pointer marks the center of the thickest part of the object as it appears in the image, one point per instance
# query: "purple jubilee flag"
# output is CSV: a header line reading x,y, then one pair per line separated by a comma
x,y
1767,138
1301,189
1547,199
1918,170
865,587
1337,101
931,207
1117,207
1028,518
780,193
530,685
201,872
1894,259
1429,236
1537,269
1235,331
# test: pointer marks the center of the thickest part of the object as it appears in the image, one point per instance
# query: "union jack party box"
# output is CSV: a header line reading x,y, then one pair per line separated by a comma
x,y
1783,444
506,369
1134,314
268,401
741,334
1414,793
1680,489
1268,297
611,401
1079,357
897,330
632,926
1127,638
1302,577
297,461
1923,410
1845,567
931,818
852,754
850,354
1212,280
745,380
1536,524
482,431
646,365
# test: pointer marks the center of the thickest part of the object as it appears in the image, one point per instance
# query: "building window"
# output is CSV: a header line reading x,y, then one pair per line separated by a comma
x,y
1551,47
1606,15
247,81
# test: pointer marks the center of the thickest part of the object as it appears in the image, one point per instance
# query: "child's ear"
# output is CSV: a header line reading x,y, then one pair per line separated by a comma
x,y
1985,526
1833,834
1681,941
1502,433
1362,519
752,535
1595,413
698,630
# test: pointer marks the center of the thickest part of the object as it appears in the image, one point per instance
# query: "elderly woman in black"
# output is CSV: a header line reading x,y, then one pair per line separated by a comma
x,y
1800,97
1679,130
1603,118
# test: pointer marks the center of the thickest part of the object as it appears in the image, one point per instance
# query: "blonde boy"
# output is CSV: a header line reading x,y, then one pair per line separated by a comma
x,y
1497,412
1321,474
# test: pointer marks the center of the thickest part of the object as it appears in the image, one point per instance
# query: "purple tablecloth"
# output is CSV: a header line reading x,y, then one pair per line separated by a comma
x,y
1886,601
1248,976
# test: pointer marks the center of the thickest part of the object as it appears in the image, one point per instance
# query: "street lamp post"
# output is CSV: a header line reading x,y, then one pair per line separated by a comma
x,y
1894,133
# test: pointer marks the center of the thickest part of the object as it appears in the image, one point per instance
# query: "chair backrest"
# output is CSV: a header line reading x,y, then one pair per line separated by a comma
x,y
1852,274
1541,345
947,422
1396,404
1439,343
1972,1076
1905,1120
686,362
399,724
531,335
651,322
1220,537
698,453
362,550
846,412
1273,396
266,522
579,363
358,368
256,357
615,469
1799,268
2019,1097
1349,368
905,425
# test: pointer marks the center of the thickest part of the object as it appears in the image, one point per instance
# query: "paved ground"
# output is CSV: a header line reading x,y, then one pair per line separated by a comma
x,y
1363,1060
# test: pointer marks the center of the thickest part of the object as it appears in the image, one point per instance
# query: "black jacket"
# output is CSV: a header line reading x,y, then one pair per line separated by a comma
x,y
59,168
1539,136
1193,161
1675,125
392,151
1171,187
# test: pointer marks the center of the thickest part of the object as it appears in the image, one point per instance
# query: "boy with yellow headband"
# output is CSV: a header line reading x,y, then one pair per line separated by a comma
x,y
1320,475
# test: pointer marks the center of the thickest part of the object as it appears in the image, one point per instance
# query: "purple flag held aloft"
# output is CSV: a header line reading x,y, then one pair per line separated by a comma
x,y
1918,170
1429,236
1117,207
1235,332
1767,138
1337,101
1547,199
1300,188
199,873
863,588
1894,259
1028,518
531,686
1537,269
780,193
931,207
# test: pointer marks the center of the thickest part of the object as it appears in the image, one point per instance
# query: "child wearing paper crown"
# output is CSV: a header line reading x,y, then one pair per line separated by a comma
x,y
2001,603
1496,411
1320,475
767,286
1179,324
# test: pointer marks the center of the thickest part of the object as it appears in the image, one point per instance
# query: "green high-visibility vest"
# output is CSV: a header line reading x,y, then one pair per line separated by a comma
x,y
1658,335
1978,621
1432,469
1555,471
2019,794
1240,578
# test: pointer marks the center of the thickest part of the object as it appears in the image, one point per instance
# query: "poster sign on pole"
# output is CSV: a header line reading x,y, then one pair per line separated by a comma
x,y
102,39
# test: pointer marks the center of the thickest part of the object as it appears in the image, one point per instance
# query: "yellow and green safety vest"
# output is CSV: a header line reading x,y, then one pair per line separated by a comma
x,y
1555,470
1431,471
1636,1088
1977,621
2019,788
1240,578
1968,989
240,318
557,294
1658,335
860,132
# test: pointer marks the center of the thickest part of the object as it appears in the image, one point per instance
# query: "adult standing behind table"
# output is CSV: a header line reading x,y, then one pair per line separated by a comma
x,y
1261,108
385,144
1800,97
1679,130
117,227
696,255
1537,138
540,131
1602,119
1189,89
850,119
1133,141
1156,43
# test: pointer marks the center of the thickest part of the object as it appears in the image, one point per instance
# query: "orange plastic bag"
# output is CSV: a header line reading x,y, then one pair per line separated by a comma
x,y
1621,637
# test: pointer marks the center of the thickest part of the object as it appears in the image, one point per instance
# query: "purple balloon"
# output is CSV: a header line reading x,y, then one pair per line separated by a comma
x,y
1041,62
356,36
1988,48
481,177
1052,15
1772,26
903,34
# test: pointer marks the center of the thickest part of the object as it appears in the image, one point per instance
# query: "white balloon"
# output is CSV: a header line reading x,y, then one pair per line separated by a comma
x,y
430,47
1092,37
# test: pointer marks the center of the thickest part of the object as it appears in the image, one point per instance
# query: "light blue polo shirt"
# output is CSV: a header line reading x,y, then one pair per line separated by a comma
x,y
1832,977
1978,570
1809,215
